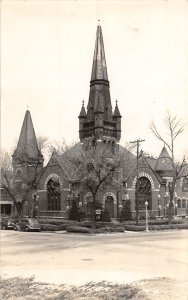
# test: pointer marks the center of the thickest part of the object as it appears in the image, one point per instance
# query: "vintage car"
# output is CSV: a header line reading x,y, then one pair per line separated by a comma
x,y
27,224
7,223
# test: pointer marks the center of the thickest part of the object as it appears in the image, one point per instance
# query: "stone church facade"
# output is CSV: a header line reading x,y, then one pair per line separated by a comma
x,y
52,188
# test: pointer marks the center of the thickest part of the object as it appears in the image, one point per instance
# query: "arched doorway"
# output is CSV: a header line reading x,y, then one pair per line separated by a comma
x,y
143,193
109,205
87,205
53,194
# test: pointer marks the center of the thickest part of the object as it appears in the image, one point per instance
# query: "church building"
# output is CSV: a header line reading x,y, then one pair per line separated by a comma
x,y
50,186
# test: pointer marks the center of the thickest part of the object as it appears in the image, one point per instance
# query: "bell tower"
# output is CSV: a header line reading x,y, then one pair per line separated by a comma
x,y
99,121
27,159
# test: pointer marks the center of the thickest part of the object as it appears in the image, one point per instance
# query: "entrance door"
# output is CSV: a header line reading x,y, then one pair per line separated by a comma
x,y
109,205
6,209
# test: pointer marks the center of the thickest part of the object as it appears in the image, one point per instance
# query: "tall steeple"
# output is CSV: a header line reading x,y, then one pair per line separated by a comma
x,y
99,121
27,144
99,69
27,152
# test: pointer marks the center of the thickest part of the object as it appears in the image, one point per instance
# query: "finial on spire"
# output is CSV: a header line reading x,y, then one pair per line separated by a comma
x,y
27,107
82,102
54,151
116,102
99,21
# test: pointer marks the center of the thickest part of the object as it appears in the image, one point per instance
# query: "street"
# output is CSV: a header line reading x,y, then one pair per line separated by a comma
x,y
76,259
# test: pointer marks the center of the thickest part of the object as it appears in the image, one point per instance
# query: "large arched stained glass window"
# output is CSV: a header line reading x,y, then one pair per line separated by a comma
x,y
53,194
144,193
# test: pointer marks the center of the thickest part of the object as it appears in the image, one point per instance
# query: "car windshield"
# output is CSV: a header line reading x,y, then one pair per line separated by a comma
x,y
33,221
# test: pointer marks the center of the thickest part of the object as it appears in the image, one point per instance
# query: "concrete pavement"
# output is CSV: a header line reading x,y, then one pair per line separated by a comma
x,y
76,258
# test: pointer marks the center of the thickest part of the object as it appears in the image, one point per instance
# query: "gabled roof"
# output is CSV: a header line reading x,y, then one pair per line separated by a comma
x,y
151,161
143,164
67,167
27,143
70,171
164,162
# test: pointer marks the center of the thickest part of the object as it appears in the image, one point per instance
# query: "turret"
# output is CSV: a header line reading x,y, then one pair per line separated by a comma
x,y
27,159
82,118
164,165
117,118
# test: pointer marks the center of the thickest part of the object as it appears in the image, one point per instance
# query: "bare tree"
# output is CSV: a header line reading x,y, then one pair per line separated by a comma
x,y
174,127
94,169
60,147
22,187
6,161
21,183
43,142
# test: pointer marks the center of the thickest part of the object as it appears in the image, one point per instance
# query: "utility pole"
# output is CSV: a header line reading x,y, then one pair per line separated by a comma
x,y
137,142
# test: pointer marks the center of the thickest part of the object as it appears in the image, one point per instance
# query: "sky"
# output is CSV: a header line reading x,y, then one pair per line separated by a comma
x,y
47,50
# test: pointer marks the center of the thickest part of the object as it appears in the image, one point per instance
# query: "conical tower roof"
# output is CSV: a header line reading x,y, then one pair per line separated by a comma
x,y
27,144
99,84
116,111
99,69
164,162
83,111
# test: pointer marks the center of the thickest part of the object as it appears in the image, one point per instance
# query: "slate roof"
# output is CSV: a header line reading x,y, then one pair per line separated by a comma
x,y
83,111
99,69
70,171
116,111
164,163
27,143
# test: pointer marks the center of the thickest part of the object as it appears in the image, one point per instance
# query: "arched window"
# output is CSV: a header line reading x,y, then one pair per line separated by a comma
x,y
109,205
143,192
53,194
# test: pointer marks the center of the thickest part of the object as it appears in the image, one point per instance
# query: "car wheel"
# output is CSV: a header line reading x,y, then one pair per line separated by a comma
x,y
27,229
4,227
15,229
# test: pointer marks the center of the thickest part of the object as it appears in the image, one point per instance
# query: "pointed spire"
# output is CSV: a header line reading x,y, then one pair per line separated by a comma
x,y
164,161
83,111
99,69
116,111
99,100
27,143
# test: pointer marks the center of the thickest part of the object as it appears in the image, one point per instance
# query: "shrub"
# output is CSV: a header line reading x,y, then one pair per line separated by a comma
x,y
52,227
112,229
155,227
78,229
74,212
55,221
48,227
85,224
135,227
106,216
126,213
